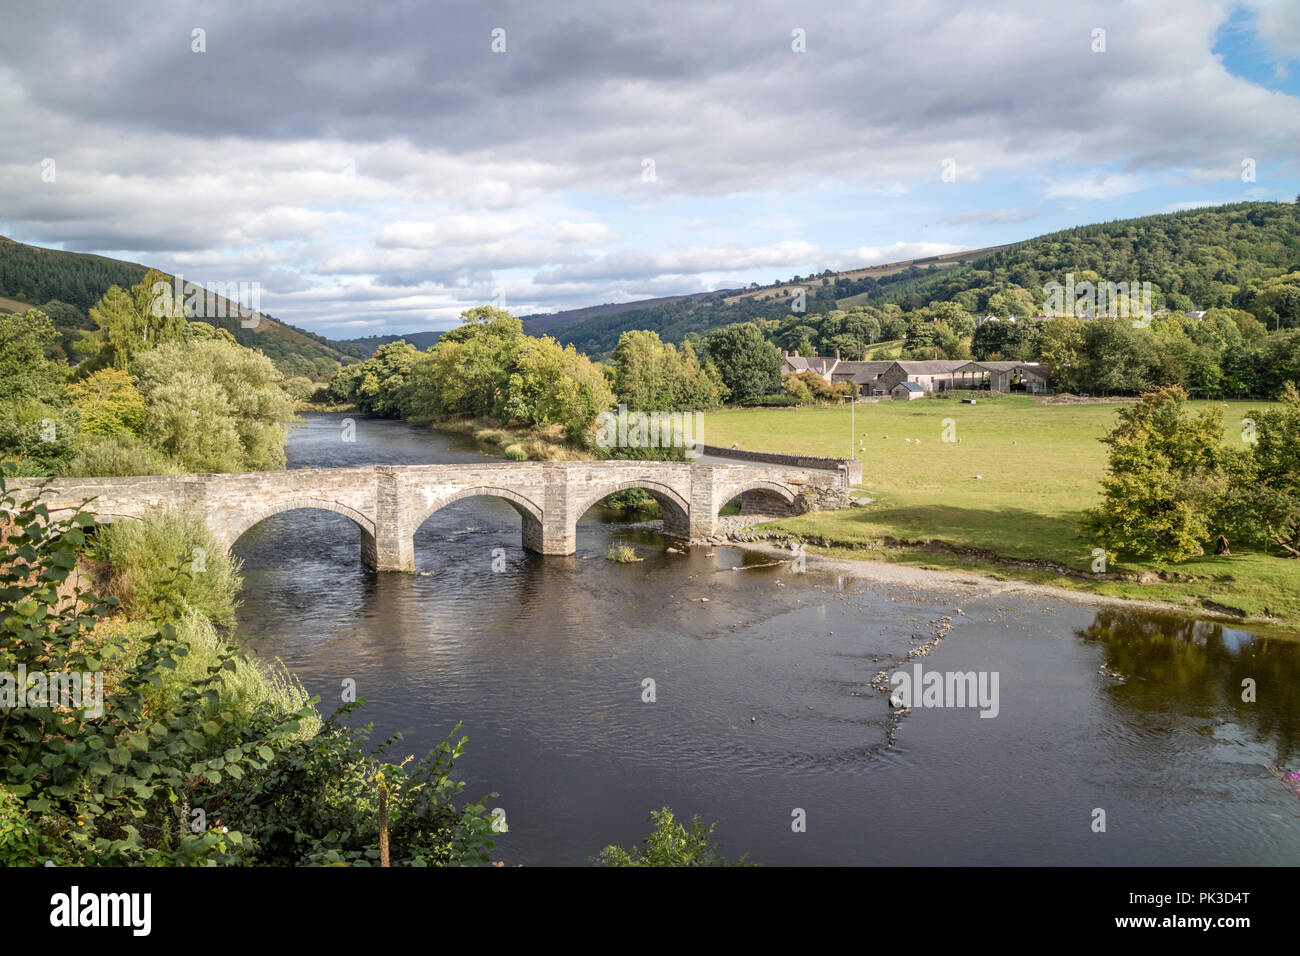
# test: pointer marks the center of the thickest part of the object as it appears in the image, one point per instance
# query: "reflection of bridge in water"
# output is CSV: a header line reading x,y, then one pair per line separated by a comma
x,y
389,502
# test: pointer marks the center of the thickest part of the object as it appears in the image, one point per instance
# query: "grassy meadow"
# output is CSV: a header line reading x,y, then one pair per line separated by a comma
x,y
1003,499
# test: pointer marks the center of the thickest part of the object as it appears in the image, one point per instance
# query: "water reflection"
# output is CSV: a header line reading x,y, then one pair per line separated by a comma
x,y
1201,670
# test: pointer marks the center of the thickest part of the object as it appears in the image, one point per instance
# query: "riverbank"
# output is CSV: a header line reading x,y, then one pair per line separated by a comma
x,y
997,489
514,444
763,535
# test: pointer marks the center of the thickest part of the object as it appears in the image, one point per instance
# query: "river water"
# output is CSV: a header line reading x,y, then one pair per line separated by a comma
x,y
764,712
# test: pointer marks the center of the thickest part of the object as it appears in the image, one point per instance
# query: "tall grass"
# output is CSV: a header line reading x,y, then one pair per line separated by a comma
x,y
168,561
251,684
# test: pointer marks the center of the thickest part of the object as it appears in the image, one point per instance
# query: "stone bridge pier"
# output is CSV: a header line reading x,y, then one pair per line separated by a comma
x,y
388,504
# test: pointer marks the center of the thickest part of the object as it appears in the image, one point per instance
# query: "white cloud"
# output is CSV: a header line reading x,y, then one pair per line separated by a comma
x,y
365,176
1094,186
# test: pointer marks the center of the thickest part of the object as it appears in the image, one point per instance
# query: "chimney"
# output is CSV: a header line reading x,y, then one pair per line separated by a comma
x,y
837,355
784,354
794,354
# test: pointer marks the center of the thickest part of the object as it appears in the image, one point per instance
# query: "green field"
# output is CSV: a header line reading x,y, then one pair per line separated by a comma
x,y
1038,468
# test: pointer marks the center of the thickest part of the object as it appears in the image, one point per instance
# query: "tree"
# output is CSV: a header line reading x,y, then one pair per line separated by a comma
x,y
1062,352
107,403
1167,479
25,371
135,321
1273,488
214,405
653,376
750,365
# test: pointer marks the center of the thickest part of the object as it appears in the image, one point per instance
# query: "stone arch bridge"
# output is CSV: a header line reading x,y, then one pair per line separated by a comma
x,y
388,503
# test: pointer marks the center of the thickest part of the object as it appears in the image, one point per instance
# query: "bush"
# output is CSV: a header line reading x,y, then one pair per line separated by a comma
x,y
37,439
622,553
300,388
671,844
1166,486
243,689
115,456
19,834
516,452
129,782
772,401
168,561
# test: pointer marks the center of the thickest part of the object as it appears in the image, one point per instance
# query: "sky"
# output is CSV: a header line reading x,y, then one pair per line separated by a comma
x,y
378,168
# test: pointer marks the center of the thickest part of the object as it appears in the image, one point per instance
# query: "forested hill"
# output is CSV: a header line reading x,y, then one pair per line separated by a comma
x,y
366,346
66,284
1196,259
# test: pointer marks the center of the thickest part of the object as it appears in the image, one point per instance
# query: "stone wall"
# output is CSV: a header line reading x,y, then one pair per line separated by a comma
x,y
851,465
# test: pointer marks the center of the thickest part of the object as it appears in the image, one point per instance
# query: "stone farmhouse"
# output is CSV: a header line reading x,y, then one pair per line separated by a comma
x,y
879,378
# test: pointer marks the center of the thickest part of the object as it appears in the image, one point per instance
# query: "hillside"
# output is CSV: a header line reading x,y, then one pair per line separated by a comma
x,y
596,329
67,284
365,347
1195,259
1198,258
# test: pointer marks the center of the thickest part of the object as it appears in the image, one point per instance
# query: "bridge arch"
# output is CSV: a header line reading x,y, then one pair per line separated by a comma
x,y
675,509
530,512
240,524
755,494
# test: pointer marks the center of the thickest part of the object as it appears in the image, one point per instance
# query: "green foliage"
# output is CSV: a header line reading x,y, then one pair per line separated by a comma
x,y
776,401
36,439
107,403
300,388
652,376
214,406
379,384
316,805
117,785
166,562
486,368
749,364
25,371
622,553
1270,490
19,833
115,456
136,320
631,500
1166,482
671,844
805,387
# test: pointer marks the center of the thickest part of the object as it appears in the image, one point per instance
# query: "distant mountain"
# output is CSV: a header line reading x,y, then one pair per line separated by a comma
x,y
595,329
543,323
366,347
31,276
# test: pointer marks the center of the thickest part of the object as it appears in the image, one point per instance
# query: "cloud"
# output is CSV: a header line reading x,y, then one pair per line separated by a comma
x,y
1095,186
985,217
864,256
381,163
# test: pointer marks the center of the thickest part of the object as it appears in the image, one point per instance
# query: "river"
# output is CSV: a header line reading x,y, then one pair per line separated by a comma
x,y
764,713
